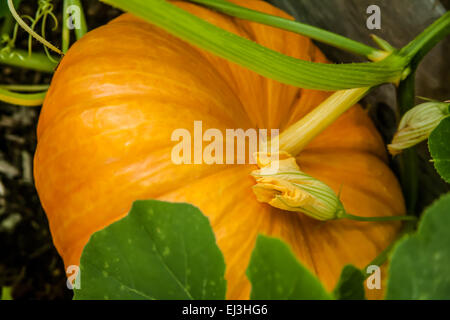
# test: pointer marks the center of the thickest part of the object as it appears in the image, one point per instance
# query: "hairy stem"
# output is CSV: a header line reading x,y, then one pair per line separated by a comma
x,y
267,62
65,28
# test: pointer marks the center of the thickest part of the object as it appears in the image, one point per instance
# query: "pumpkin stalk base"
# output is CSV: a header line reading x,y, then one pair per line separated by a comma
x,y
295,138
281,184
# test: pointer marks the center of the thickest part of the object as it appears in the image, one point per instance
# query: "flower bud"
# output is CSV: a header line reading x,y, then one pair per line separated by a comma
x,y
417,125
290,189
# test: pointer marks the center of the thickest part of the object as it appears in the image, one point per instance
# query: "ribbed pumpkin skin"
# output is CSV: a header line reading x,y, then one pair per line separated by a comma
x,y
104,141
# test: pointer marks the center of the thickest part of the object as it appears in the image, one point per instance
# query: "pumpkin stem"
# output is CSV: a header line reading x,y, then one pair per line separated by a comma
x,y
30,30
294,139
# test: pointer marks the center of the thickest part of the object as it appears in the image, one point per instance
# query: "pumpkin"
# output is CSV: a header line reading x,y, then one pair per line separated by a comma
x,y
104,141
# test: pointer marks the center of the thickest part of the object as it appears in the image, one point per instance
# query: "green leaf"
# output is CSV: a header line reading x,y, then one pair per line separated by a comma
x,y
419,264
276,274
350,285
269,63
440,148
159,251
4,9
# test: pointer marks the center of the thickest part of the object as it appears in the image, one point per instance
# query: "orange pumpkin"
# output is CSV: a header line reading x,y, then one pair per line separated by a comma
x,y
104,141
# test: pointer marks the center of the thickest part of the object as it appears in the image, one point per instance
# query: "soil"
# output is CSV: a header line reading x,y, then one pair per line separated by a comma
x,y
29,263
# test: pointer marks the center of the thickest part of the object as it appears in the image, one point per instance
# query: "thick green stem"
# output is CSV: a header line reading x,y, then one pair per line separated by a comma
x,y
296,137
415,51
315,33
383,44
25,87
65,28
377,219
274,65
80,32
408,228
37,61
408,160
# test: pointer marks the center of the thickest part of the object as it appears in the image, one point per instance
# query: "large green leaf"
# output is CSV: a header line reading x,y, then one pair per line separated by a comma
x,y
159,251
350,285
439,144
419,264
276,274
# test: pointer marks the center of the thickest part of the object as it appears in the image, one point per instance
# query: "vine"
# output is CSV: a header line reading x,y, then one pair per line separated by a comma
x,y
45,9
